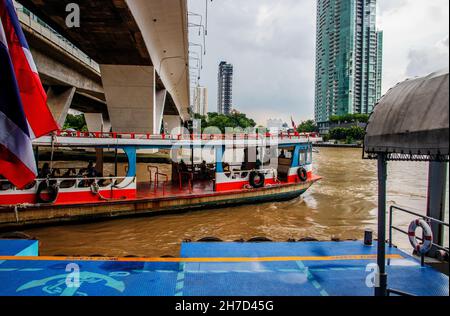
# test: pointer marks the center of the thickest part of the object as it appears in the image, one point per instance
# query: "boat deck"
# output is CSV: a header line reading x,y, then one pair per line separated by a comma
x,y
147,190
222,269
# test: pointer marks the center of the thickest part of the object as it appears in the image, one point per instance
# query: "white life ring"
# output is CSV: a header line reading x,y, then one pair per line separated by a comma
x,y
421,248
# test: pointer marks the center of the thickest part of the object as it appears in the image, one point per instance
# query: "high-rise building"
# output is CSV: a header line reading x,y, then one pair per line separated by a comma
x,y
225,91
379,64
348,58
200,100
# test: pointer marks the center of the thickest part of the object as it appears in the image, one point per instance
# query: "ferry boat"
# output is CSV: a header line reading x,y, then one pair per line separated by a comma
x,y
274,168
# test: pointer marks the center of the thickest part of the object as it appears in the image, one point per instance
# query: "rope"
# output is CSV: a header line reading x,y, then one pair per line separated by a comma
x,y
95,189
52,152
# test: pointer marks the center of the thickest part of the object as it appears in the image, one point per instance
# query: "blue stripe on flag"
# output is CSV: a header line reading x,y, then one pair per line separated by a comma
x,y
10,101
16,24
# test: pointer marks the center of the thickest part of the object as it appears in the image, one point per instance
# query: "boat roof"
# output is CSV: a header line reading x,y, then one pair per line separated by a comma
x,y
148,141
411,122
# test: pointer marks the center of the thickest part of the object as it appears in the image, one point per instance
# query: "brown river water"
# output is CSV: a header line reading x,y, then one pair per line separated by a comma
x,y
342,205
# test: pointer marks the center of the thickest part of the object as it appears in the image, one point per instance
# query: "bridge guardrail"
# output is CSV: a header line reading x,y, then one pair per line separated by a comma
x,y
204,137
28,18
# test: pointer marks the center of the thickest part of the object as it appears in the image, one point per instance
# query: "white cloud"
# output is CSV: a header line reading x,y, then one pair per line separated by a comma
x,y
413,30
424,61
272,46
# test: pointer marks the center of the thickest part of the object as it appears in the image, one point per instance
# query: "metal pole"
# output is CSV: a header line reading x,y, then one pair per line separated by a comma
x,y
437,184
115,162
381,253
36,155
206,23
391,224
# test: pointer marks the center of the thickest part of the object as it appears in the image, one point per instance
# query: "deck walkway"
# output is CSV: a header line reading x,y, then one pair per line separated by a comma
x,y
217,269
147,190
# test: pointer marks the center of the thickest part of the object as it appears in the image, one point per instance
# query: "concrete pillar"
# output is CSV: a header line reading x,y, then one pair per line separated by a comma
x,y
106,124
160,101
173,125
94,122
437,187
130,97
59,99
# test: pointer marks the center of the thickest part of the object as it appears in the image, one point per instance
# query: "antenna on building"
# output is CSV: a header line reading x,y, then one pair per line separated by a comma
x,y
200,27
197,15
206,23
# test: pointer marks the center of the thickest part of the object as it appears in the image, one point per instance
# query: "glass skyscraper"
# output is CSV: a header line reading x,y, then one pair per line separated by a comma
x,y
225,92
348,58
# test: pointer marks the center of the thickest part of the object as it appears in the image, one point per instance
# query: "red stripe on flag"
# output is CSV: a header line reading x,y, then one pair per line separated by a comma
x,y
34,98
14,169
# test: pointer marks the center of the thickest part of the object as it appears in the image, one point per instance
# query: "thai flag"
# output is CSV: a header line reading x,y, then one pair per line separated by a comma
x,y
294,126
24,113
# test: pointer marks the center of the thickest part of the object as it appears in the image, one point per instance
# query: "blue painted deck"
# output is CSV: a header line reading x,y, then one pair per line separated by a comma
x,y
307,277
23,248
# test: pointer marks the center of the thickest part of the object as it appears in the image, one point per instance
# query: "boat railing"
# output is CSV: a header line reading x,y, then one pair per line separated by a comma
x,y
428,219
179,137
245,174
71,183
164,183
153,170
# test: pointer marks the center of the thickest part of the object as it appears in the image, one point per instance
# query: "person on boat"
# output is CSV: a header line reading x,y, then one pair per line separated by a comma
x,y
45,171
183,166
226,167
90,170
204,174
258,164
69,173
56,173
87,173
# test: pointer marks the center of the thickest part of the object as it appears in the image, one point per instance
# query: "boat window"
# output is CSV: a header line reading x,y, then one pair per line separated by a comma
x,y
303,157
286,153
310,156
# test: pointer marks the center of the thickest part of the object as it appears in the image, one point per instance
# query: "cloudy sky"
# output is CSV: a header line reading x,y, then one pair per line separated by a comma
x,y
272,46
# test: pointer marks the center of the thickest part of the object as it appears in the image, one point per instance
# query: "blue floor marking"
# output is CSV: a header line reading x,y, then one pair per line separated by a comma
x,y
265,278
311,278
180,280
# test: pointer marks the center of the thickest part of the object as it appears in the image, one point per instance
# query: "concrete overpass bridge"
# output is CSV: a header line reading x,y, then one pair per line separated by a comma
x,y
140,76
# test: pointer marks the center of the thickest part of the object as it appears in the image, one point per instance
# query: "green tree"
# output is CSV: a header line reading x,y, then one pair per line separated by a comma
x,y
349,118
356,132
236,120
338,133
352,134
308,127
76,122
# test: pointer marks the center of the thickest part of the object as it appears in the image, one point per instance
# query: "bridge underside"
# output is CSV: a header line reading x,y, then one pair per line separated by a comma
x,y
110,33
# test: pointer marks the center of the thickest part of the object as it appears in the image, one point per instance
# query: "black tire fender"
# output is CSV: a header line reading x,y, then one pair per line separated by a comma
x,y
302,174
53,191
253,183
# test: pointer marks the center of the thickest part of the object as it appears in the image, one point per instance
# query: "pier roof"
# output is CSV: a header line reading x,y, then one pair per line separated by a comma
x,y
411,122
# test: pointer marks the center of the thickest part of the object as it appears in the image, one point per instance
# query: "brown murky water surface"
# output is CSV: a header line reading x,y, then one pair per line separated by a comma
x,y
341,206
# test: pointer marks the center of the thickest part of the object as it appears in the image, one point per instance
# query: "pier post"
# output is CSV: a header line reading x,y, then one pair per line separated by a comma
x,y
381,288
437,185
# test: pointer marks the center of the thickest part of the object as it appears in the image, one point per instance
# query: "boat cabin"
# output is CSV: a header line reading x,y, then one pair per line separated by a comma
x,y
203,164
